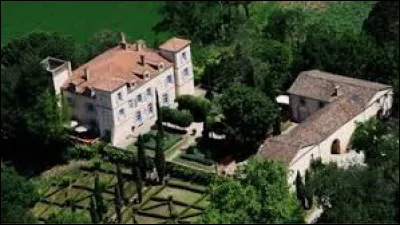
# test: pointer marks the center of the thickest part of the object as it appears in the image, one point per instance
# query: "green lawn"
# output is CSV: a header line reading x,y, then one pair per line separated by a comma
x,y
81,19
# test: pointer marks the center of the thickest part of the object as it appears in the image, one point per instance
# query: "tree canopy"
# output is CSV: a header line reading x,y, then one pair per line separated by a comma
x,y
17,196
248,115
261,197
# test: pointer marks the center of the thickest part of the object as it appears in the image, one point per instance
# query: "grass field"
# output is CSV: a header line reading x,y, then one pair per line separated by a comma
x,y
80,19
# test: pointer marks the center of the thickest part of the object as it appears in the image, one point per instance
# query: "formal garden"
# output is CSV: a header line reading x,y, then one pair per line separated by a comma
x,y
180,198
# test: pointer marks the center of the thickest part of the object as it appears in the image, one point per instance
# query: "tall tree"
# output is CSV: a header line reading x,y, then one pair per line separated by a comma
x,y
98,195
308,190
263,196
141,157
118,203
300,190
93,211
139,185
159,153
120,181
248,113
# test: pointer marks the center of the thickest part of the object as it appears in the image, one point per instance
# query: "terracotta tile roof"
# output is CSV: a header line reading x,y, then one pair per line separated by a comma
x,y
117,66
320,85
353,96
174,44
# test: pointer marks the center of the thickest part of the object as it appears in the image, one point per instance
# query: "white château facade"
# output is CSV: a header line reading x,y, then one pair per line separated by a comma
x,y
114,93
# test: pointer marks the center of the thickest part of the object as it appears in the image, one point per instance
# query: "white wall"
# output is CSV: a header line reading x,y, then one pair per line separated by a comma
x,y
302,160
124,123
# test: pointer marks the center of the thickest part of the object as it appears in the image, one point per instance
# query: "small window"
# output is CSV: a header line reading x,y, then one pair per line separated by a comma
x,y
119,96
121,112
321,104
302,101
138,116
184,56
150,108
186,71
165,98
90,107
169,79
148,91
139,97
131,103
70,101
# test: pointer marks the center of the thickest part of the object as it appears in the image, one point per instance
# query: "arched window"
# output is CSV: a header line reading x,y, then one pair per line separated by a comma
x,y
335,148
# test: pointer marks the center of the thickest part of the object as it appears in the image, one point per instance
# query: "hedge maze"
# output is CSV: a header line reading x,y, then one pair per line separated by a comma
x,y
177,200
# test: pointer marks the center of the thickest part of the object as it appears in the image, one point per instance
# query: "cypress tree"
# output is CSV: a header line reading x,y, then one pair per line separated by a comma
x,y
100,207
141,158
159,154
139,184
308,191
118,203
300,191
93,210
120,181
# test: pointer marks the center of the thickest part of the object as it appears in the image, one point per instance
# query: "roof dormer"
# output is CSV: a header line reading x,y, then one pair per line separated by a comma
x,y
146,75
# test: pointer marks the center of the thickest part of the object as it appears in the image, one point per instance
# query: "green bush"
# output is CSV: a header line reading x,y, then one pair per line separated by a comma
x,y
198,106
147,137
180,118
82,151
68,216
189,174
200,158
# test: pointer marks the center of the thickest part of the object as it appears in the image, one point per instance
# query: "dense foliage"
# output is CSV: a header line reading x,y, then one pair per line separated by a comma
x,y
177,117
361,194
248,115
68,217
17,196
261,197
197,106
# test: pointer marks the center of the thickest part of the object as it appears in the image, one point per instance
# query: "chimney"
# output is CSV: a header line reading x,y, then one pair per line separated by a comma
x,y
86,74
123,43
142,60
335,92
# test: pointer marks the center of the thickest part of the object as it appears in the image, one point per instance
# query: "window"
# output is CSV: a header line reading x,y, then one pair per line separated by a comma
x,y
138,116
321,104
169,79
131,104
186,71
165,98
119,96
70,101
139,97
150,108
148,91
302,101
184,57
122,112
90,107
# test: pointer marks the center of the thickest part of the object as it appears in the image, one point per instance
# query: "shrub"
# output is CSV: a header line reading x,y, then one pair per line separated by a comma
x,y
147,137
180,118
197,106
200,158
82,151
68,216
189,174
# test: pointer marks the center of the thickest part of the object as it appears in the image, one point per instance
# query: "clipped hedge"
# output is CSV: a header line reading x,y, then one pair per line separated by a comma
x,y
198,106
197,158
177,117
189,174
82,151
